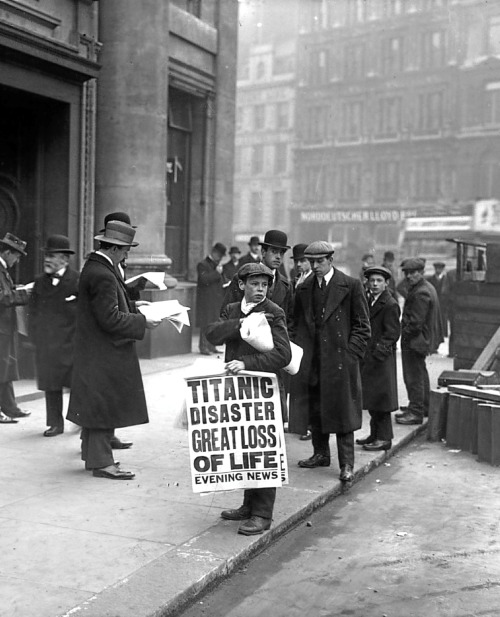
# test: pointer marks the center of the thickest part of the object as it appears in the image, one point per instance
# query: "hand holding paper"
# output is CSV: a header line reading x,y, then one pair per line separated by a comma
x,y
172,310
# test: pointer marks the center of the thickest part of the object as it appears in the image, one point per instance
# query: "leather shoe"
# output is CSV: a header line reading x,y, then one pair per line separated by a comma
x,y
17,413
53,431
254,526
346,473
316,460
378,444
306,437
238,514
6,420
113,473
404,410
409,418
117,444
365,440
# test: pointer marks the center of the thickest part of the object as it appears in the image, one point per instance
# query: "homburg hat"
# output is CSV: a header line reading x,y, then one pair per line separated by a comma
x,y
383,271
275,238
234,250
118,233
117,216
319,248
218,247
255,269
254,240
13,242
58,243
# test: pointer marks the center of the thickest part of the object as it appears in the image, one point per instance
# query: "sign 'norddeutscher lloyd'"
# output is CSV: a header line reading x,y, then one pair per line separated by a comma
x,y
236,436
356,216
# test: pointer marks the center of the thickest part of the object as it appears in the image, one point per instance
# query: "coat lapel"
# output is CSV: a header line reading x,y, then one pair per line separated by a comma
x,y
379,304
306,290
337,290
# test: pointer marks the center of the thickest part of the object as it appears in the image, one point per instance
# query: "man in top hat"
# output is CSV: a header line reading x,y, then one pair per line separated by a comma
x,y
52,327
256,512
420,336
254,254
301,265
11,249
209,294
106,389
231,267
378,368
332,325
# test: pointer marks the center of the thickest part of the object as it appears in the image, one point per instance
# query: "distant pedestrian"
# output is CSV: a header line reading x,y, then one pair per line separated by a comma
x,y
209,294
11,250
331,324
439,280
367,261
231,267
52,327
378,368
301,266
254,254
388,262
254,279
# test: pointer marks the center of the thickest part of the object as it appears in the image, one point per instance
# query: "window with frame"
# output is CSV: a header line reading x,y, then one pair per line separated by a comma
x,y
349,181
392,55
389,117
318,15
393,7
489,179
257,159
260,71
314,183
494,36
279,207
387,180
354,61
259,117
428,178
356,11
315,124
352,120
190,6
430,112
432,49
280,158
318,67
256,204
283,115
492,104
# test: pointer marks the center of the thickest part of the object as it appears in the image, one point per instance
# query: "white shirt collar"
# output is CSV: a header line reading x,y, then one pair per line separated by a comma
x,y
105,257
328,275
3,262
246,307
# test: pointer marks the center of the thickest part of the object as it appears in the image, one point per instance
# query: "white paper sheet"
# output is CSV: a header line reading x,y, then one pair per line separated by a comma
x,y
156,278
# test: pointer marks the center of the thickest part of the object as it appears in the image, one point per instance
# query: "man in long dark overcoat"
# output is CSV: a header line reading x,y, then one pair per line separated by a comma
x,y
107,390
331,324
258,504
209,293
11,250
378,369
52,320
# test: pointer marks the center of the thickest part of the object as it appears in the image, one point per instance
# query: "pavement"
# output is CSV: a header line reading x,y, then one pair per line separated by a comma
x,y
72,544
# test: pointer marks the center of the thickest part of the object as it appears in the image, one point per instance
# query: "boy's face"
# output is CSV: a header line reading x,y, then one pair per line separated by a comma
x,y
273,257
255,287
376,283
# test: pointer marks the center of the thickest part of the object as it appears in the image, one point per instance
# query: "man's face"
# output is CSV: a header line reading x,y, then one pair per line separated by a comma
x,y
273,257
216,256
52,262
321,265
413,276
255,287
235,257
302,265
376,283
11,258
254,248
119,254
438,269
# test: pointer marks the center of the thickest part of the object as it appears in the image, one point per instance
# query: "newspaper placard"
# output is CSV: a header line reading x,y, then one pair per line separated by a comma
x,y
235,429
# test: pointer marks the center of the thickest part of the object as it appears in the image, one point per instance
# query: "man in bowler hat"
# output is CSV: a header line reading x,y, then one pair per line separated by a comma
x,y
254,254
231,267
301,265
331,324
52,327
106,389
209,294
11,250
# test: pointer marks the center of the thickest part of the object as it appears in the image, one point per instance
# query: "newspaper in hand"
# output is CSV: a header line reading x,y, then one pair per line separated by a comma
x,y
156,278
173,310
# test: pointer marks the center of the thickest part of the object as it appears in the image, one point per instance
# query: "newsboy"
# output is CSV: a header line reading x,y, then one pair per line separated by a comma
x,y
331,324
52,327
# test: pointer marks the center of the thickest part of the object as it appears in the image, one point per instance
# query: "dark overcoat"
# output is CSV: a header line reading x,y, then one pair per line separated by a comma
x,y
342,338
227,330
52,323
10,297
378,368
106,389
421,322
209,292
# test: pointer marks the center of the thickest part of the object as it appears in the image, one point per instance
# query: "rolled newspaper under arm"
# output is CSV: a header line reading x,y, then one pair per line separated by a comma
x,y
256,331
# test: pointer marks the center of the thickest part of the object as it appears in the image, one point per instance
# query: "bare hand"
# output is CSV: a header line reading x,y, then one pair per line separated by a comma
x,y
152,323
219,268
235,366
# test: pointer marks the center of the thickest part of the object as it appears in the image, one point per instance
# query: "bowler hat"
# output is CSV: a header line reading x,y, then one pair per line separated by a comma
x,y
58,244
15,243
233,250
385,272
218,247
413,264
118,233
298,251
319,248
254,240
254,269
116,216
275,238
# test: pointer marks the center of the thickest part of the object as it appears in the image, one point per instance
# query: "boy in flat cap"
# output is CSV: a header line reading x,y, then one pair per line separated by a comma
x,y
11,250
331,324
257,509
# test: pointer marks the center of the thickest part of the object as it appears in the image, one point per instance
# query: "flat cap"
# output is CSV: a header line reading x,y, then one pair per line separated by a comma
x,y
319,248
385,272
439,264
255,269
413,263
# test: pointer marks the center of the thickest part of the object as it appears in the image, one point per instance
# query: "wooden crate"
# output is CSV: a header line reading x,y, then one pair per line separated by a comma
x,y
438,411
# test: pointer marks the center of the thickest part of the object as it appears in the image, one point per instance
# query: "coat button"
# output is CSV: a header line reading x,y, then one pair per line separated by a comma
x,y
340,367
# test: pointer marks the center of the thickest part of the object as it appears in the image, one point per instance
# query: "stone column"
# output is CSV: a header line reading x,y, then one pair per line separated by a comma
x,y
131,139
